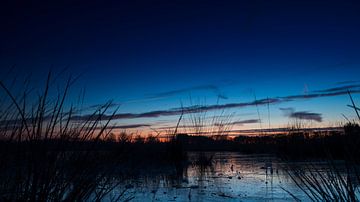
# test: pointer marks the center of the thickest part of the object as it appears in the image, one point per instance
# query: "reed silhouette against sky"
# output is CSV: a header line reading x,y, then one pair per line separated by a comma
x,y
179,100
266,62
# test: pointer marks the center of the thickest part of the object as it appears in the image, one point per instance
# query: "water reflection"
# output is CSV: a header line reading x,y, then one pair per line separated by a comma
x,y
228,176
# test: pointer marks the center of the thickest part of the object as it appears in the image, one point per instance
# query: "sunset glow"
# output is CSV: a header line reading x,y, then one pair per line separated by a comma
x,y
180,100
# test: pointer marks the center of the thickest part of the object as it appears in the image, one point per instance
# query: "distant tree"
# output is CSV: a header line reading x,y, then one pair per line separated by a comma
x,y
124,137
151,139
111,138
139,139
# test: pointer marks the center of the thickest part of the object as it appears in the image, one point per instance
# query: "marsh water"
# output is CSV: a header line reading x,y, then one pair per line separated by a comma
x,y
231,176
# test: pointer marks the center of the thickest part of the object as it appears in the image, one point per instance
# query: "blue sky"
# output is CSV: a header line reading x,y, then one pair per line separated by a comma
x,y
153,55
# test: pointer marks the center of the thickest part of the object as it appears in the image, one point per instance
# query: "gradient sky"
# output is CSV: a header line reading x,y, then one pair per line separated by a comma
x,y
154,55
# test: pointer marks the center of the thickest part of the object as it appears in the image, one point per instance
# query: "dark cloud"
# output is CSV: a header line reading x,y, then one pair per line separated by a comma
x,y
286,110
166,94
212,88
318,95
198,108
202,108
341,88
305,115
111,105
266,130
131,126
249,121
177,111
243,122
284,130
151,114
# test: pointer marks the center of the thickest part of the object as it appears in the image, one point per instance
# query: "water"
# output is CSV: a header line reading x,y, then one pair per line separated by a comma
x,y
232,177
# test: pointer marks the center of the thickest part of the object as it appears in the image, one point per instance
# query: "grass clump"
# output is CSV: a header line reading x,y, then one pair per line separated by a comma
x,y
49,154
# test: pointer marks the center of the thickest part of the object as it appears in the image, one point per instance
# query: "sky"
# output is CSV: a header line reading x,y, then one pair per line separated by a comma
x,y
264,63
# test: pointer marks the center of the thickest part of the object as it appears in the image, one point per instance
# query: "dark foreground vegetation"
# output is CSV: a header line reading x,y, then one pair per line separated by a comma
x,y
72,169
47,156
298,144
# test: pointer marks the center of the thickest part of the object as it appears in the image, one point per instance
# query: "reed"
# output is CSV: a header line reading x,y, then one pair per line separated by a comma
x,y
47,154
334,182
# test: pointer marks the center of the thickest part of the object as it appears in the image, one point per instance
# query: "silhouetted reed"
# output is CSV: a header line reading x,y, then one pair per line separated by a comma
x,y
334,182
47,155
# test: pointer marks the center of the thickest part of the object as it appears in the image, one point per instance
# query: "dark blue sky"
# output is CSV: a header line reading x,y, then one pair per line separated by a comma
x,y
150,55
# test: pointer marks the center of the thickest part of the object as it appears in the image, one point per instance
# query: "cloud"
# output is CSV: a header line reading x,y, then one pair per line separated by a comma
x,y
212,88
317,95
199,108
100,106
283,130
131,126
257,131
305,115
166,94
203,108
286,110
248,121
177,111
243,122
341,88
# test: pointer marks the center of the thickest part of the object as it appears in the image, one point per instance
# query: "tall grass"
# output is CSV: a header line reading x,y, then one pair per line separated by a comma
x,y
48,154
335,182
215,125
331,183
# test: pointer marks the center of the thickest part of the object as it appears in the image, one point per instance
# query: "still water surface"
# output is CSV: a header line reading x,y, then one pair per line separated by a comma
x,y
232,177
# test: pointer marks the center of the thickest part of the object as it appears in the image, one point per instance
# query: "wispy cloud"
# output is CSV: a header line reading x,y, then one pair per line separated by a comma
x,y
341,88
202,108
256,131
243,122
305,115
131,126
318,95
124,127
212,88
249,121
199,108
178,111
100,106
158,96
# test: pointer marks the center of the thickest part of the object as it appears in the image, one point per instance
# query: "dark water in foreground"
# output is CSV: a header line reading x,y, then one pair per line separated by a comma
x,y
232,177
